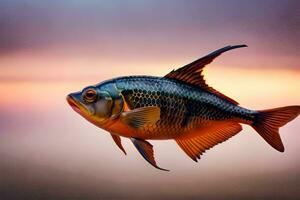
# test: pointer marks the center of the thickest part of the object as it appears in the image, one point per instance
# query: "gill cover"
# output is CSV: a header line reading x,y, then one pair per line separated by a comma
x,y
118,102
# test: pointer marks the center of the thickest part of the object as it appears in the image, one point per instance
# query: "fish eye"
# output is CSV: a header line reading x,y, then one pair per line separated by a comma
x,y
90,95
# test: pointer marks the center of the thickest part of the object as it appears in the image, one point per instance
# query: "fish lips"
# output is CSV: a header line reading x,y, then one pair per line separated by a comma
x,y
75,105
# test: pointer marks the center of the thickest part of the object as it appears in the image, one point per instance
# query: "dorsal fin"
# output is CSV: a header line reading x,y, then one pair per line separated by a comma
x,y
192,73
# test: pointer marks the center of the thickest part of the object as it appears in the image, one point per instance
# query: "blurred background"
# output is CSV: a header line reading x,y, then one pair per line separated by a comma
x,y
51,48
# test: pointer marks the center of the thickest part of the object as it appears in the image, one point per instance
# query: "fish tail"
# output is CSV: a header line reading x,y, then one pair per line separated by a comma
x,y
268,122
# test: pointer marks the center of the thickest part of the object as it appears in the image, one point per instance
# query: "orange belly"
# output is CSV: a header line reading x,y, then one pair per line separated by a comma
x,y
162,131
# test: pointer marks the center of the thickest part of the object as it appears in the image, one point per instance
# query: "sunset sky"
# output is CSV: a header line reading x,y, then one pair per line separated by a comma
x,y
51,48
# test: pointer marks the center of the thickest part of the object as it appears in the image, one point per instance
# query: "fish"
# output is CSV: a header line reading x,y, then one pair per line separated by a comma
x,y
180,106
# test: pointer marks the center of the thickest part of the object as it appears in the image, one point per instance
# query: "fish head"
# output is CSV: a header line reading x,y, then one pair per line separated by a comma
x,y
93,103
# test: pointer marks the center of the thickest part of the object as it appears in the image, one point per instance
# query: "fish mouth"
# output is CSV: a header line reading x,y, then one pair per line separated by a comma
x,y
74,105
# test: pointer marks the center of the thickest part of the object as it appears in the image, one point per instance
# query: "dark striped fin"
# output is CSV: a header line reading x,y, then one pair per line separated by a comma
x,y
146,150
207,138
192,73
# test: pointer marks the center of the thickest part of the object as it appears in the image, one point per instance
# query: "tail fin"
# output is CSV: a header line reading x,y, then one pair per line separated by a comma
x,y
267,123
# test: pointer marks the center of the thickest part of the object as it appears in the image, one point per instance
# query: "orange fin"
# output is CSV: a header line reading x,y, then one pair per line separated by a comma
x,y
117,140
192,73
207,138
146,150
138,117
267,123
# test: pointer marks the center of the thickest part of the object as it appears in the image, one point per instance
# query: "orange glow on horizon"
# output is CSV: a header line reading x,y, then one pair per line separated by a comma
x,y
256,88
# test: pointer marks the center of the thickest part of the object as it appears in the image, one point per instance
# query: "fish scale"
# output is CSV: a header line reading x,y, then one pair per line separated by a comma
x,y
183,107
179,106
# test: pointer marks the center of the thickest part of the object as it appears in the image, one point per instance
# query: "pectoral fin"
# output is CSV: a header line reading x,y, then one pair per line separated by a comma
x,y
146,150
117,140
137,118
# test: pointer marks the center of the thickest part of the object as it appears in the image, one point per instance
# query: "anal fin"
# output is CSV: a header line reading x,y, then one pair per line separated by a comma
x,y
207,138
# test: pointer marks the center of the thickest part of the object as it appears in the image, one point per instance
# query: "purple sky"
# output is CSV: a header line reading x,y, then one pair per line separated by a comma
x,y
161,29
